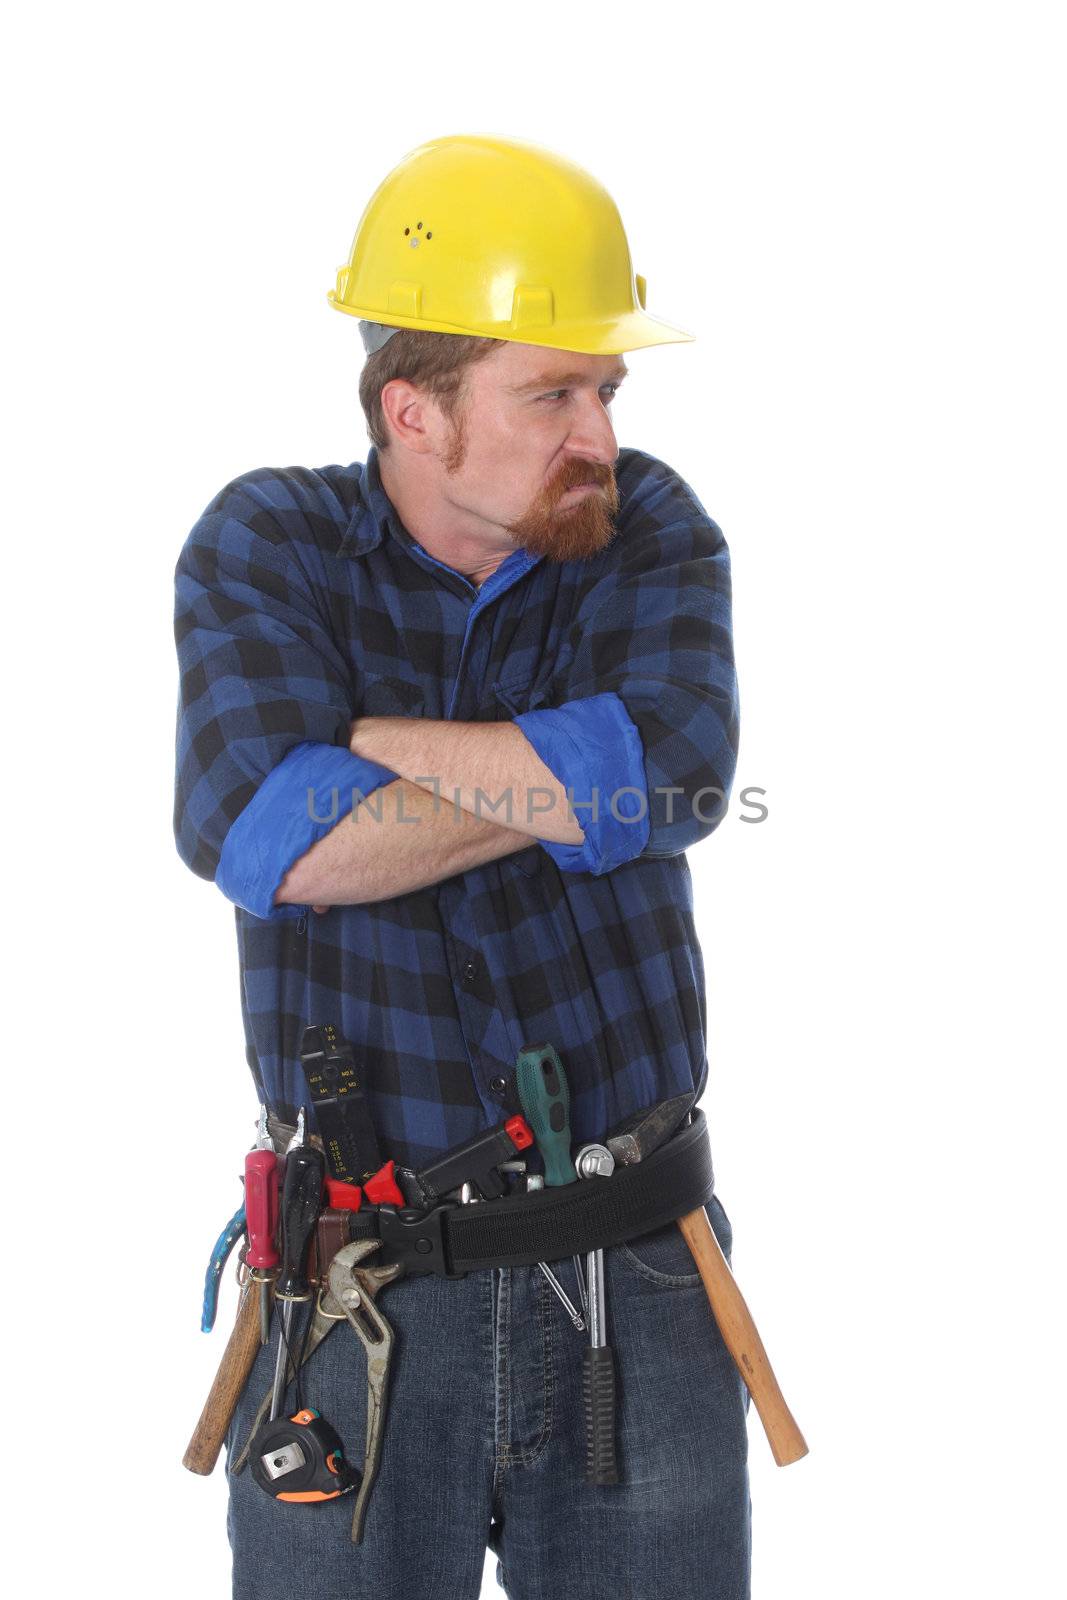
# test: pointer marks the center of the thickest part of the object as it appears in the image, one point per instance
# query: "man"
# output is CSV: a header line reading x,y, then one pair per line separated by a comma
x,y
449,721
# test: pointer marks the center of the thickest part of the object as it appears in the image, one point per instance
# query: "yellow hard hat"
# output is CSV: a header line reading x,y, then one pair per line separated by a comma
x,y
500,238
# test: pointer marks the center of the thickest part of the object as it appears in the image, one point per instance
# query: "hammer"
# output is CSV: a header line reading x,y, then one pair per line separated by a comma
x,y
631,1141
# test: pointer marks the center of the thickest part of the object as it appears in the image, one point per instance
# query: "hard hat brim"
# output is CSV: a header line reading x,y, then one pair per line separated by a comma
x,y
635,330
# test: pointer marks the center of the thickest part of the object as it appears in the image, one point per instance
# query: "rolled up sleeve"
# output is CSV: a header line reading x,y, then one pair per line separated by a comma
x,y
594,749
646,704
263,768
297,804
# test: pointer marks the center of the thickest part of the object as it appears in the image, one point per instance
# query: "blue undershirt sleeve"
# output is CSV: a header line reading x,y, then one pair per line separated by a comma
x,y
593,747
312,789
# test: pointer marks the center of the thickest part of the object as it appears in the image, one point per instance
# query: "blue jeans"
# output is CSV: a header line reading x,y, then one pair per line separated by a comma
x,y
484,1445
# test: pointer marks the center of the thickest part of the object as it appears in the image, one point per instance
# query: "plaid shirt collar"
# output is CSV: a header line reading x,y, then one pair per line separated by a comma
x,y
375,516
374,513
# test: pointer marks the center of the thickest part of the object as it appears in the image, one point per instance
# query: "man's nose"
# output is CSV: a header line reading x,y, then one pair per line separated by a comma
x,y
592,434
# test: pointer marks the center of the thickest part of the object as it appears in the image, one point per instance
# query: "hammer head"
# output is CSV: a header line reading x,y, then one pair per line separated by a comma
x,y
646,1130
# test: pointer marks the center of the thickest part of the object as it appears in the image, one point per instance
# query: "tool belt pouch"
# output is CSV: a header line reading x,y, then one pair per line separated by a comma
x,y
549,1224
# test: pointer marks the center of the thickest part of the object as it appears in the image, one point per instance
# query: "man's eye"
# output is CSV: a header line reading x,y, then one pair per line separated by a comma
x,y
614,387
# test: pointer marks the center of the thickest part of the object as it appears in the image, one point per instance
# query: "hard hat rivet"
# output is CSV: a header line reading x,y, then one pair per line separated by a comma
x,y
419,224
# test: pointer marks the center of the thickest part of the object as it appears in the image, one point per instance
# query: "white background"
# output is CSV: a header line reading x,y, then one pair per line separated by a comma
x,y
858,210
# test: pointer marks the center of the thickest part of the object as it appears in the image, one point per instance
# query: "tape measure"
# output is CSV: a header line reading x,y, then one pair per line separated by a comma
x,y
301,1459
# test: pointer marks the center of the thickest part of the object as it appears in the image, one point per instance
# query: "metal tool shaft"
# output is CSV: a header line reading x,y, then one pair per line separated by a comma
x,y
580,1280
597,1300
264,1309
568,1304
282,1361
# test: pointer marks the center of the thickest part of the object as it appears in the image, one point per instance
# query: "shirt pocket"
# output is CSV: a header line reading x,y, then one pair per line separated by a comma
x,y
517,695
390,697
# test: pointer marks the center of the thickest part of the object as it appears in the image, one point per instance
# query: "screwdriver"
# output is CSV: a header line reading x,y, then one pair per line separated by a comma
x,y
543,1093
542,1088
261,1218
535,1181
305,1173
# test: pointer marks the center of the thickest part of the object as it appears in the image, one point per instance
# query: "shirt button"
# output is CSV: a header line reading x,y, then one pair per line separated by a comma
x,y
498,1085
470,970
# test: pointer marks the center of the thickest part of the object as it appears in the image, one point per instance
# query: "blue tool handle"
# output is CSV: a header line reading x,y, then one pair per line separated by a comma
x,y
224,1244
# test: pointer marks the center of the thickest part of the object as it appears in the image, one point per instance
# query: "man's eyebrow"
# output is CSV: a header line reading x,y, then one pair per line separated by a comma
x,y
561,380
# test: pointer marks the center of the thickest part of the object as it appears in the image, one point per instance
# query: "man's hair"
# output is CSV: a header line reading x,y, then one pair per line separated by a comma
x,y
437,362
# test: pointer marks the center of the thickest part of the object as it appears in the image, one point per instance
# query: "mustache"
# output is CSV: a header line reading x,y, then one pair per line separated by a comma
x,y
576,474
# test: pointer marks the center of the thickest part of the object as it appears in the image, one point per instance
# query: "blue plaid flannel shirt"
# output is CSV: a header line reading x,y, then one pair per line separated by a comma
x,y
301,602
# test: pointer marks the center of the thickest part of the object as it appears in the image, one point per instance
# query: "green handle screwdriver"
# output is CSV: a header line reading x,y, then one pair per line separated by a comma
x,y
542,1087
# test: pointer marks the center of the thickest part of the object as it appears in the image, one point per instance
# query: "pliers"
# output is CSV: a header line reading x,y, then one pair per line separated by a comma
x,y
353,1289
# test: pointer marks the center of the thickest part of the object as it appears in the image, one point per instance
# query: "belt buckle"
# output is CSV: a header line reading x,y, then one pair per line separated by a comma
x,y
417,1237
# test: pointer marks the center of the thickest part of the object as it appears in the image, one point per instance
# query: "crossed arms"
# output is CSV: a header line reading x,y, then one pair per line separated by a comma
x,y
417,834
284,801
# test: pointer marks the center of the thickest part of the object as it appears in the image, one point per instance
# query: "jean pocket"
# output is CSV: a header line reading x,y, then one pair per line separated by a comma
x,y
664,1256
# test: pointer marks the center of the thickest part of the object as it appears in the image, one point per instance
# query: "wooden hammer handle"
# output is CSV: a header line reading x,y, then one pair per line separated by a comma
x,y
741,1338
236,1364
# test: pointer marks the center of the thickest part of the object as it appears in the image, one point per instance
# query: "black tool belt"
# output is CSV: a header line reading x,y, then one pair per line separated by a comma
x,y
552,1223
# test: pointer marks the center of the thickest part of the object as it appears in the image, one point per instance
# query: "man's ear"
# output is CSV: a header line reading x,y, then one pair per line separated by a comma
x,y
414,419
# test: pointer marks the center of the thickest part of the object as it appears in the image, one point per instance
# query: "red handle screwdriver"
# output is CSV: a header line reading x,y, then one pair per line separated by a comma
x,y
261,1218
